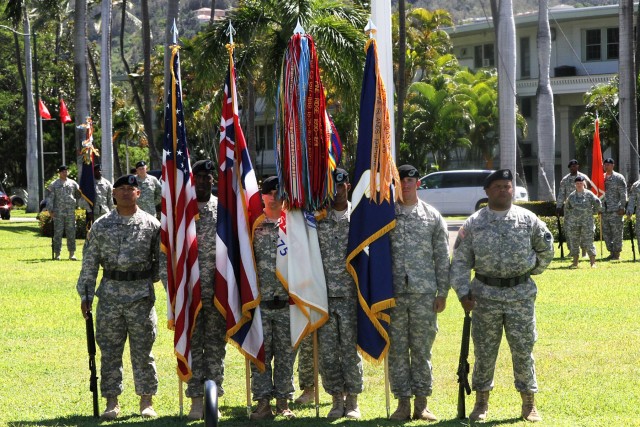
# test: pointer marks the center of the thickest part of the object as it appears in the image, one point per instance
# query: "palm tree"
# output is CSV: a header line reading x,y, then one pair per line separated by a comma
x,y
105,92
628,101
401,81
263,28
127,129
506,43
81,73
16,11
546,127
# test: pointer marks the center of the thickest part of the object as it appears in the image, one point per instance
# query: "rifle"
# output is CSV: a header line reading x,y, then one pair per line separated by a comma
x,y
463,367
91,348
633,243
560,237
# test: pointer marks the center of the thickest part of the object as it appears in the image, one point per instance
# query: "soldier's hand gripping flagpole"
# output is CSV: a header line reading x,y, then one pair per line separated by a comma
x,y
463,367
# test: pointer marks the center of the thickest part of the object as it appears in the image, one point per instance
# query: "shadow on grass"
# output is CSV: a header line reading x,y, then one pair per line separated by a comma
x,y
23,228
78,420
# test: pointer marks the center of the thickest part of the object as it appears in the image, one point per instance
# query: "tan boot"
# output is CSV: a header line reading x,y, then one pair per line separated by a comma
x,y
306,396
337,410
197,408
481,407
575,262
351,409
112,410
403,412
146,410
420,410
282,408
592,260
263,411
529,410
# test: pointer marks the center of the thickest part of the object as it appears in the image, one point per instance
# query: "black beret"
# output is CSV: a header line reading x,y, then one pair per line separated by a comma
x,y
62,168
609,160
97,167
340,175
126,180
502,174
269,184
579,178
408,171
203,166
140,164
572,162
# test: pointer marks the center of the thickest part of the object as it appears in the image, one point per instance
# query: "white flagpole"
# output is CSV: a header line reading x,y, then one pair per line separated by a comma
x,y
381,17
64,162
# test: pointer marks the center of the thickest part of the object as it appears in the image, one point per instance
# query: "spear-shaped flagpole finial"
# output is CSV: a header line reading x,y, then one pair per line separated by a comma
x,y
230,32
370,29
298,29
174,30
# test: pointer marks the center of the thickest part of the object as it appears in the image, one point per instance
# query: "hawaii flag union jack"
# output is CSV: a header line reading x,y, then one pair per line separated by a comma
x,y
239,205
178,232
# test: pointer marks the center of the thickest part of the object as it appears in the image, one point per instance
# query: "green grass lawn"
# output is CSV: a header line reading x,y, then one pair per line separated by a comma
x,y
588,357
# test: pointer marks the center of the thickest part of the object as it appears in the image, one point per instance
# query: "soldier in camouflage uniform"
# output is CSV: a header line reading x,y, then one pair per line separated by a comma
x,y
566,187
274,308
581,205
208,339
104,194
306,378
420,259
505,244
340,363
615,200
64,194
150,189
125,242
634,205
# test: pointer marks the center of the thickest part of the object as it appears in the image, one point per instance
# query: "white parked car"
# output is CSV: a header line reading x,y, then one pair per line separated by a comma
x,y
459,192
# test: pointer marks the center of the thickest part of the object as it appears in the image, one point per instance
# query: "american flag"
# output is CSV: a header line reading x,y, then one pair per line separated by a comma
x,y
178,232
239,205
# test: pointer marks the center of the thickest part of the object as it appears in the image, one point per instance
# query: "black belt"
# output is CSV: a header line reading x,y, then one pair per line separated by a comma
x,y
498,282
276,303
126,276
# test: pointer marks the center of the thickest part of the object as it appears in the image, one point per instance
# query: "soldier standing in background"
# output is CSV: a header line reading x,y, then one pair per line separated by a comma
x,y
420,259
634,205
615,200
126,243
566,187
208,338
505,244
340,363
581,205
104,194
64,194
150,189
274,308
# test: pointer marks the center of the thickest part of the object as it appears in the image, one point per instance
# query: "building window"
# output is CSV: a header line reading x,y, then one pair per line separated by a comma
x,y
613,40
525,57
593,47
483,56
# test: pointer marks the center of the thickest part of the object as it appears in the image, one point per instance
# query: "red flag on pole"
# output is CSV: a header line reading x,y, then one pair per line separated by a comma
x,y
597,171
64,113
44,112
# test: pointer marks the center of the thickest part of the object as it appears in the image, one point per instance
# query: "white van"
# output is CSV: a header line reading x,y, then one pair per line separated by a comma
x,y
459,192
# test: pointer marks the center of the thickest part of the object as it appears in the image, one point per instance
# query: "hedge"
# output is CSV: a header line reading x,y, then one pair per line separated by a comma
x,y
45,224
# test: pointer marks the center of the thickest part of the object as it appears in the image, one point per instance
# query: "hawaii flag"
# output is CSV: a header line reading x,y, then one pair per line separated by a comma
x,y
373,214
237,295
299,269
597,170
178,231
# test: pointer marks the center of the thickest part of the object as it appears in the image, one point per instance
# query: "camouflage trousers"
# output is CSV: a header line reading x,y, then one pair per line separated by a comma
x,y
207,350
277,381
612,227
580,235
114,322
518,319
64,223
340,363
412,332
305,363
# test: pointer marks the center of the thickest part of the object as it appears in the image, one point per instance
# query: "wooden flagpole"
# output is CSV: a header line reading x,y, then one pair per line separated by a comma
x,y
316,393
247,375
386,386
